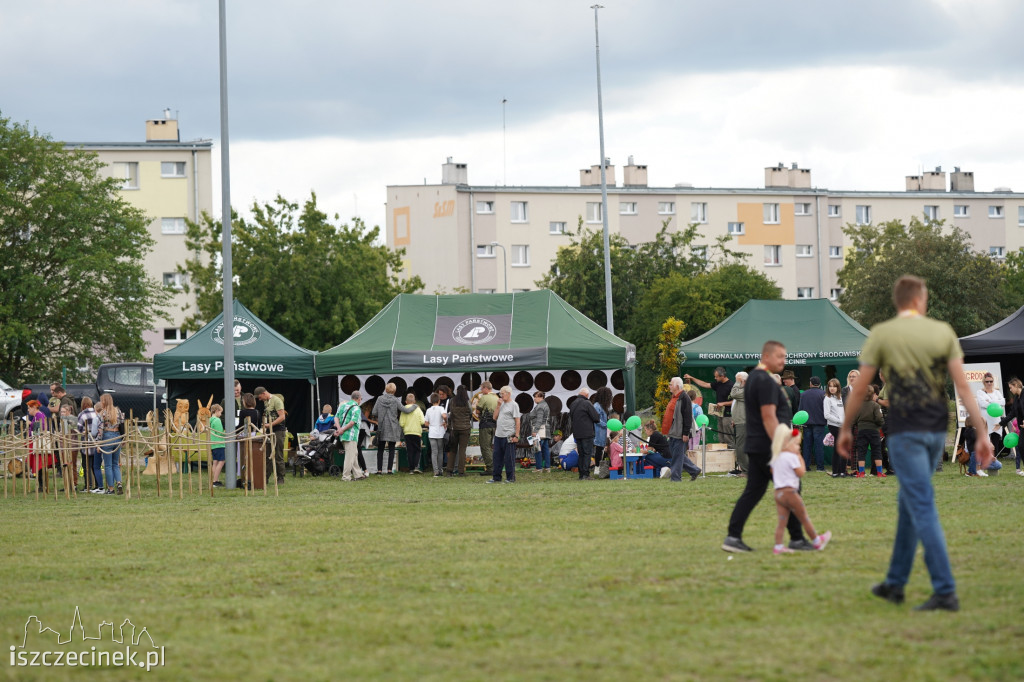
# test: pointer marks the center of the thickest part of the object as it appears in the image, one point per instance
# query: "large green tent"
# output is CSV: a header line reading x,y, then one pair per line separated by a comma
x,y
533,330
816,333
195,368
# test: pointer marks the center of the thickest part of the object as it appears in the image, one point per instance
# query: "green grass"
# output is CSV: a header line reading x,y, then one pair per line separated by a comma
x,y
446,579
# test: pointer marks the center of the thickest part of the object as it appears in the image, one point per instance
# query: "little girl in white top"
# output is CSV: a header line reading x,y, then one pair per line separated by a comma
x,y
787,469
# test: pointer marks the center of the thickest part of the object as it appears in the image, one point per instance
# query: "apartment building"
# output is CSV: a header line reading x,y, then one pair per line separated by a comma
x,y
170,181
491,239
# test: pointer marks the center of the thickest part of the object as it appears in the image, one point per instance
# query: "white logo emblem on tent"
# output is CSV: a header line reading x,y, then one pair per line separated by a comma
x,y
474,331
243,331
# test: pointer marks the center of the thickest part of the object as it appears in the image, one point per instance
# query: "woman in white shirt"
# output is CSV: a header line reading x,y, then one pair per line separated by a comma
x,y
834,417
988,395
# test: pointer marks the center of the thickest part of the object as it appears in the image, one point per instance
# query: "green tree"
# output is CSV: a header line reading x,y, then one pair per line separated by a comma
x,y
316,282
73,288
1013,278
965,286
670,276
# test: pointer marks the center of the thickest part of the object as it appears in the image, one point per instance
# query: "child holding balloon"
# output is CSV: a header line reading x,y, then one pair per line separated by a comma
x,y
787,470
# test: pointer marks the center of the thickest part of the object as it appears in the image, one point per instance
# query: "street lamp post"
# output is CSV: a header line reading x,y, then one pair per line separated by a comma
x,y
225,220
504,262
604,185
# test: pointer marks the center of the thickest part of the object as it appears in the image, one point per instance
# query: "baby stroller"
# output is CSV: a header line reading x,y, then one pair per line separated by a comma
x,y
317,455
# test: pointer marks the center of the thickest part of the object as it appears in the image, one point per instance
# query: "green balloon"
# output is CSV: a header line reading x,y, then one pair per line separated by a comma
x,y
633,423
800,418
702,420
614,425
994,410
1010,440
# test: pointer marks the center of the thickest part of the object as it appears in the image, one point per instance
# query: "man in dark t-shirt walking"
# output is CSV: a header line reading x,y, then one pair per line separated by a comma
x,y
767,407
722,387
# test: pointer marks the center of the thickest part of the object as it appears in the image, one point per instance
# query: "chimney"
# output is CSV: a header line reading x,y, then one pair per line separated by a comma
x,y
782,177
454,173
591,177
163,130
934,181
913,183
961,181
633,175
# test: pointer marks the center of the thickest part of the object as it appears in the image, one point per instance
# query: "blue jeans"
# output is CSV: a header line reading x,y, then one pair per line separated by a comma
x,y
814,434
972,466
544,456
97,469
504,458
914,456
656,459
680,461
111,457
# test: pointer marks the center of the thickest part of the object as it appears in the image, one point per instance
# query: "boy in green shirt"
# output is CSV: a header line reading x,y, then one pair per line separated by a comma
x,y
217,444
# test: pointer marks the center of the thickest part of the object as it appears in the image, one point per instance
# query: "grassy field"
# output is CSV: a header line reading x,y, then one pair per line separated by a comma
x,y
408,577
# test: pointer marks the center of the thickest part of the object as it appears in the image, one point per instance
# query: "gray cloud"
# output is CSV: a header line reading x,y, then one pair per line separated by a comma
x,y
95,71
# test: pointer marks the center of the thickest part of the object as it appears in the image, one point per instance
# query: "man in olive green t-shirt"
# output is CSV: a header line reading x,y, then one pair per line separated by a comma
x,y
485,403
915,353
274,414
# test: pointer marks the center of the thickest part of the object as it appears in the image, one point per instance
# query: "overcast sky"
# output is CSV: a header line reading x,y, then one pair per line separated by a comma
x,y
344,98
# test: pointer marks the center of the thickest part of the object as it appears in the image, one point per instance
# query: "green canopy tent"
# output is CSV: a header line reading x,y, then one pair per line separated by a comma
x,y
820,340
195,368
528,332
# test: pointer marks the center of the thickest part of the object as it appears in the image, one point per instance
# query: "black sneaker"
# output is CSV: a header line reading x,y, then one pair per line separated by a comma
x,y
693,477
802,545
940,602
731,544
119,489
889,593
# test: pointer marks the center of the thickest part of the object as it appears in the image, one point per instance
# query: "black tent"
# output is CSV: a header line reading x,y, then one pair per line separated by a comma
x,y
1003,342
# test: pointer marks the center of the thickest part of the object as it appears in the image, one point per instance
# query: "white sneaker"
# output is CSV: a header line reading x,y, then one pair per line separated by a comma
x,y
1020,472
665,472
983,474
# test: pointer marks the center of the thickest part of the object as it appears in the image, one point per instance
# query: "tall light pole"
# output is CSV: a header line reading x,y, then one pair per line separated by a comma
x,y
504,145
504,262
225,236
604,184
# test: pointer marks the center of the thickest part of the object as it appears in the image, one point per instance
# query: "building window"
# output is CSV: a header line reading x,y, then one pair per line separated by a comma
x,y
556,228
1020,215
931,212
835,252
627,208
666,208
995,211
485,250
698,212
485,291
772,254
802,209
485,207
805,292
736,229
700,252
833,211
771,214
997,251
172,169
863,215
172,225
519,291
833,294
804,250
520,255
173,335
518,212
961,211
594,211
175,280
127,172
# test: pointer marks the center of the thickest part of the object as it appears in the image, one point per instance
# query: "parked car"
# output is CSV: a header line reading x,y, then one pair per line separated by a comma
x,y
130,384
10,400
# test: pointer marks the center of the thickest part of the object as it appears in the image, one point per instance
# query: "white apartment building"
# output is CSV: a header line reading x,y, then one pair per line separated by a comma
x,y
170,181
462,236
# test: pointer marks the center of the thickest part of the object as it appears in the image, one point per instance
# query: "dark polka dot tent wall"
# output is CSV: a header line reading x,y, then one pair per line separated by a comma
x,y
530,341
